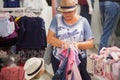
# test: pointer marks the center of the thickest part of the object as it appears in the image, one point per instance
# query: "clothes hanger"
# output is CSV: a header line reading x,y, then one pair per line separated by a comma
x,y
29,13
12,11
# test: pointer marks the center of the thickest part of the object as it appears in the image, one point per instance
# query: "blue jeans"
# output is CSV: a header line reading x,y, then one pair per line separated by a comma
x,y
110,13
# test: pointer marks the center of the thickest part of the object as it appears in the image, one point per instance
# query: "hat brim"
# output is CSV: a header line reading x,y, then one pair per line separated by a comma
x,y
66,10
30,77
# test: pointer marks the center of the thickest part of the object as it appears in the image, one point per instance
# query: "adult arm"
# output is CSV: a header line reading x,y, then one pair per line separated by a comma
x,y
90,6
51,39
86,44
88,37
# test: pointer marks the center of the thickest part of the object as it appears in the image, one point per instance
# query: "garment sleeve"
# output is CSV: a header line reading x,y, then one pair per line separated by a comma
x,y
53,25
88,34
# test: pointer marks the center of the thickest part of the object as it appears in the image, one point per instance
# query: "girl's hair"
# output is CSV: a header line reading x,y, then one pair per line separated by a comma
x,y
7,60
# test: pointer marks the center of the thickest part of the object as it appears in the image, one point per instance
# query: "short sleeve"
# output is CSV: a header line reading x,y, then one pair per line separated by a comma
x,y
53,25
88,34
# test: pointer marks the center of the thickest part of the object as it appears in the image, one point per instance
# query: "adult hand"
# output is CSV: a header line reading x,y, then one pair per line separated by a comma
x,y
65,45
90,10
75,44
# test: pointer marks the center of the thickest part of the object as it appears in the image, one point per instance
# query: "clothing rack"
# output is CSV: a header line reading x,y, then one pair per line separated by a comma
x,y
21,10
36,11
12,9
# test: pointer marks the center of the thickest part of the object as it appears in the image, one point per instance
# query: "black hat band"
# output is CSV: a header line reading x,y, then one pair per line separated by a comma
x,y
36,69
67,7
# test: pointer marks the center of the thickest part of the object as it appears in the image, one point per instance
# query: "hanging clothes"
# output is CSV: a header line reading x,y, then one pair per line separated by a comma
x,y
34,4
10,26
32,33
6,28
31,40
41,5
11,3
25,54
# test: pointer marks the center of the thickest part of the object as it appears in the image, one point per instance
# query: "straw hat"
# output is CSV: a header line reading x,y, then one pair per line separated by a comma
x,y
67,5
32,67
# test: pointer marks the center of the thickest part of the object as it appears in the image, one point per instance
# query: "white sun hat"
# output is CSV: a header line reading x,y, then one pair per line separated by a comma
x,y
32,67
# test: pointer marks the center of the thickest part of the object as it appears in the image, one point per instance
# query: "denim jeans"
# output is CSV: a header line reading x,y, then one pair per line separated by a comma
x,y
110,13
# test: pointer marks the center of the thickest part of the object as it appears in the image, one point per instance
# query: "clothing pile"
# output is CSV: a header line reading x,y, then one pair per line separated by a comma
x,y
107,64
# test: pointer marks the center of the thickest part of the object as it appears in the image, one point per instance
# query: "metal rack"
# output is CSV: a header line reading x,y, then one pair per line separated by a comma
x,y
24,11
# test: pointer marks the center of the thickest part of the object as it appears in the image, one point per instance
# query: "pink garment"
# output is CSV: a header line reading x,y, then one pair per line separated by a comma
x,y
12,73
112,71
110,57
75,72
116,71
113,52
114,48
98,67
108,71
109,49
72,60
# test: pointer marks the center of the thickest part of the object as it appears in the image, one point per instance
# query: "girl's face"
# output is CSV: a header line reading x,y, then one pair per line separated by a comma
x,y
68,16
